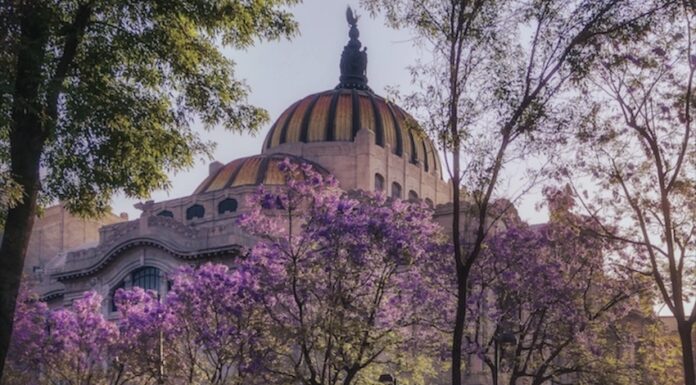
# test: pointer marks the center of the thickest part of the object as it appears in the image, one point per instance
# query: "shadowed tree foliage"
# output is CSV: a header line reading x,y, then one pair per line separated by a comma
x,y
98,96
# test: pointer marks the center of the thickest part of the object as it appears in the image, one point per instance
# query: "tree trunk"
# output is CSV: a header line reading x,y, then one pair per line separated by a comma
x,y
458,332
26,145
685,333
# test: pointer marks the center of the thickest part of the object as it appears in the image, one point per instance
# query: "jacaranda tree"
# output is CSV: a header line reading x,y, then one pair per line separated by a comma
x,y
636,144
208,330
342,275
551,288
491,89
69,346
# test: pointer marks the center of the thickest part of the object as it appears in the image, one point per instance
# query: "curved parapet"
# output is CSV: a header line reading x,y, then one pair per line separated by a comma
x,y
167,234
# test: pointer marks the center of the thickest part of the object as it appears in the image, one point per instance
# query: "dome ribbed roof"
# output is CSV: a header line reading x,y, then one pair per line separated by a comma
x,y
251,171
337,115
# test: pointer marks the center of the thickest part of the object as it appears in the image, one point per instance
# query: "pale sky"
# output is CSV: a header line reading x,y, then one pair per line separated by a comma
x,y
280,73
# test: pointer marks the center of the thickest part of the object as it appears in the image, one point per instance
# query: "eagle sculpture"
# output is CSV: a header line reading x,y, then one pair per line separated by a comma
x,y
352,19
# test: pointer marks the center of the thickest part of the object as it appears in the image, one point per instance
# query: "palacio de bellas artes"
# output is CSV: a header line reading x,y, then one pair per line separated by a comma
x,y
509,198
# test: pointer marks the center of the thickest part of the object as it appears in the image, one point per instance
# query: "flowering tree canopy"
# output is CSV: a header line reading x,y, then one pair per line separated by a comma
x,y
207,330
549,286
635,142
338,283
342,274
62,346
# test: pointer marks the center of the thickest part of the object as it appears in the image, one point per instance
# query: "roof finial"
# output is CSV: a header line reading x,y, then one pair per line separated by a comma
x,y
352,19
353,60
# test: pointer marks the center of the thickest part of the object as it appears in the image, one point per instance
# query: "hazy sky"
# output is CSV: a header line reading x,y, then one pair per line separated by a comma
x,y
280,73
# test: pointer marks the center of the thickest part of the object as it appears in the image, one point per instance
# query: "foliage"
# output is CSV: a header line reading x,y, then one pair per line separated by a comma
x,y
208,330
343,275
549,287
98,97
635,147
335,289
491,91
60,346
117,106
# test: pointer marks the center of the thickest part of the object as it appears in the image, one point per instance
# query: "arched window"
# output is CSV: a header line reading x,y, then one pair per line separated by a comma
x,y
379,182
147,278
396,190
195,211
227,205
429,202
412,195
165,213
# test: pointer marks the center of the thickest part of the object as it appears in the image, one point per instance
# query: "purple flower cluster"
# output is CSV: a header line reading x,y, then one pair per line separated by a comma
x,y
69,345
549,287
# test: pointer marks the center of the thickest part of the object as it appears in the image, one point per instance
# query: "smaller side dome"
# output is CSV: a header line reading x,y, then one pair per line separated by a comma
x,y
251,171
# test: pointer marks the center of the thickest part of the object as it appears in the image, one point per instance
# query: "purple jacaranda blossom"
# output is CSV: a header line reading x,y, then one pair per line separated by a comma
x,y
208,328
346,277
71,345
547,286
336,283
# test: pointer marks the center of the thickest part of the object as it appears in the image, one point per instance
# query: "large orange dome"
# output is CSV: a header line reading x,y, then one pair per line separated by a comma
x,y
338,115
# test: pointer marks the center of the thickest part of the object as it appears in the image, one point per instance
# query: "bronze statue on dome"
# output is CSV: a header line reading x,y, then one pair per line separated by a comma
x,y
353,60
352,19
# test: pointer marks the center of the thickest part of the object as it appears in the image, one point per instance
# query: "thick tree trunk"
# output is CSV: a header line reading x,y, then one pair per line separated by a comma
x,y
685,334
26,144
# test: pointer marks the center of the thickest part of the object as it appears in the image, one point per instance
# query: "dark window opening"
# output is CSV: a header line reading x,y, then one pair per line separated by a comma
x,y
227,205
195,211
166,213
412,195
379,182
396,190
147,278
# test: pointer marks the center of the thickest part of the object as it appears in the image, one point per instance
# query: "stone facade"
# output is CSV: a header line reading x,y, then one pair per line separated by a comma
x,y
356,164
56,232
195,228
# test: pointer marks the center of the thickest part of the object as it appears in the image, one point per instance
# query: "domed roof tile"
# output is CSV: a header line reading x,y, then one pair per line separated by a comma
x,y
251,171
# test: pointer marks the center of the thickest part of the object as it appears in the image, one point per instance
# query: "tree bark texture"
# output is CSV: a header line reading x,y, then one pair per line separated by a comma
x,y
685,335
26,145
